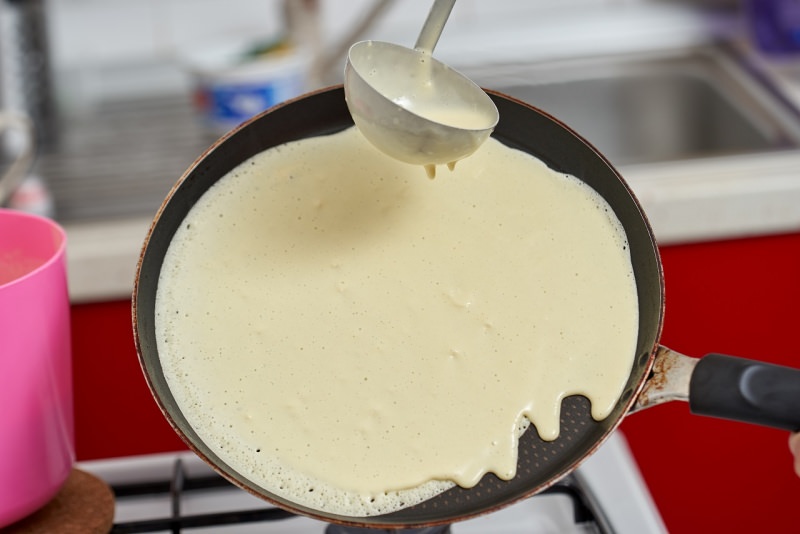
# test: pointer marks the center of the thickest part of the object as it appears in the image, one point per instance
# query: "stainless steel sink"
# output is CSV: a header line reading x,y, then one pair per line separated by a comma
x,y
642,108
650,108
122,158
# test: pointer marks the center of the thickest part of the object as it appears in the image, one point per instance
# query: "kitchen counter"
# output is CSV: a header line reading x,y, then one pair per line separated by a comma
x,y
102,257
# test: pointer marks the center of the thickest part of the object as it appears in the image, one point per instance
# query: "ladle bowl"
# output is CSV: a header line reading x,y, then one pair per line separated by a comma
x,y
413,107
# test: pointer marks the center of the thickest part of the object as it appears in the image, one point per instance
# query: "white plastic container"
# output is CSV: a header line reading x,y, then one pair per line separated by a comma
x,y
229,90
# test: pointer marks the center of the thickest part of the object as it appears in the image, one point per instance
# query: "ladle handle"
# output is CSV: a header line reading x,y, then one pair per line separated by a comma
x,y
434,24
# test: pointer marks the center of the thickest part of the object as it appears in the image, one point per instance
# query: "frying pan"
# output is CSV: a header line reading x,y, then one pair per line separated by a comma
x,y
715,385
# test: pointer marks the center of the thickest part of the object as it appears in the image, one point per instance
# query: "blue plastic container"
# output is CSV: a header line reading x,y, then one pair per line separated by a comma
x,y
775,25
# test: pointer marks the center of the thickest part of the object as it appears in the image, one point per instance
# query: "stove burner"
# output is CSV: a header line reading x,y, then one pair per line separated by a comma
x,y
587,513
341,529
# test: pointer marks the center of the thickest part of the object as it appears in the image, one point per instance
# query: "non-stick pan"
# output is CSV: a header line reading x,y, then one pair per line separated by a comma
x,y
720,386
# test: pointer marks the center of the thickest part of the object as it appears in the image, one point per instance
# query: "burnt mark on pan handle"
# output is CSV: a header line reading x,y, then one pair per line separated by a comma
x,y
725,387
668,381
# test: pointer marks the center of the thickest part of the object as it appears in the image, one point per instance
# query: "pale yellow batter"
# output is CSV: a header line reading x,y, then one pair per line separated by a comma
x,y
337,328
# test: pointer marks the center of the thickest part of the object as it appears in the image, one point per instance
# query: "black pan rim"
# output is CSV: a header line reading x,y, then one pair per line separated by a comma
x,y
401,519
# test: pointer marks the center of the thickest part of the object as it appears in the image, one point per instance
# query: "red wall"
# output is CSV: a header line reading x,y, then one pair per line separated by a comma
x,y
736,297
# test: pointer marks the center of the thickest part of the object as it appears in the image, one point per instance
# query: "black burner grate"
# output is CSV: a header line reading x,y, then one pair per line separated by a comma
x,y
586,511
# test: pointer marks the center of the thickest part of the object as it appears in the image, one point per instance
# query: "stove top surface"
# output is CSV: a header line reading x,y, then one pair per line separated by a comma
x,y
178,492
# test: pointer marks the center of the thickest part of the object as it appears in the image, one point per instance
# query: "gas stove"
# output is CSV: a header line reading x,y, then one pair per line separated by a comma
x,y
178,492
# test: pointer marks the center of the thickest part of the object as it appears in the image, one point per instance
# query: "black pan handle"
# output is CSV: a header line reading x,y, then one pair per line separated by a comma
x,y
746,390
725,387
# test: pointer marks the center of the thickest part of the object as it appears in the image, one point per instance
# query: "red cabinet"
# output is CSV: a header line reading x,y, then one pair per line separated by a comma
x,y
737,297
115,414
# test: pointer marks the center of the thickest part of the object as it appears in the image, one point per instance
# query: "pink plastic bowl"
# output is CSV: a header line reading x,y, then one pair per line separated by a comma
x,y
36,416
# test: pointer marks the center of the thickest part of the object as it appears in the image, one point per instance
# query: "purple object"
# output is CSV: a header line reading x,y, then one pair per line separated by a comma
x,y
775,25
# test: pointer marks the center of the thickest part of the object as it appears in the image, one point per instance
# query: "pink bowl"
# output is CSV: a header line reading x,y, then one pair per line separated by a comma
x,y
36,416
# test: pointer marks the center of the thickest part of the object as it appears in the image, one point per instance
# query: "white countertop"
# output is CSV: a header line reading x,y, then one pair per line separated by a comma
x,y
102,258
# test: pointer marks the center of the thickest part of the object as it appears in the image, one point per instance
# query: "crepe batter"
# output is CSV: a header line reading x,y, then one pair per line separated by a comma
x,y
356,338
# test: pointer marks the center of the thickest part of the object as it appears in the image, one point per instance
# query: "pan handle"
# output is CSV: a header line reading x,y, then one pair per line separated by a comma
x,y
726,387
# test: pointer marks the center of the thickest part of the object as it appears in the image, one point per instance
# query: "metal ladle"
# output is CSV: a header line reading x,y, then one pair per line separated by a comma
x,y
412,107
